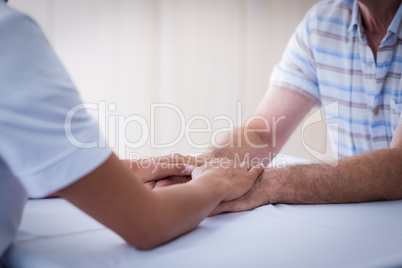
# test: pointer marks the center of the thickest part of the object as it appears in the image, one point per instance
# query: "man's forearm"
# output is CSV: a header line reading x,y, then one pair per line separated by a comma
x,y
268,129
367,177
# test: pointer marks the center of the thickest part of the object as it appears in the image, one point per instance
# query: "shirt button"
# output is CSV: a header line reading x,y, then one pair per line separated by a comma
x,y
376,111
368,64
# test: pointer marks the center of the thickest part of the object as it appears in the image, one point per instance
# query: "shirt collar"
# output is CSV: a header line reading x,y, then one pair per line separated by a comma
x,y
355,17
395,26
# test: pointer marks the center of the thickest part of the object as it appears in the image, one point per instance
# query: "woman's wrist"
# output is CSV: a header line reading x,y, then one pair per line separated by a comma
x,y
218,187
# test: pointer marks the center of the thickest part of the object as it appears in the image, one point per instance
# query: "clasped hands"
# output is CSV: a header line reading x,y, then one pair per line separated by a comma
x,y
173,169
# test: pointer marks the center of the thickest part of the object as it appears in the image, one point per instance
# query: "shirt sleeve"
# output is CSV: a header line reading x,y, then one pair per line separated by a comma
x,y
296,70
47,139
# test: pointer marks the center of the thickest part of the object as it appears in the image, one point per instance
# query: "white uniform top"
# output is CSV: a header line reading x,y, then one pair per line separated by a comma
x,y
36,94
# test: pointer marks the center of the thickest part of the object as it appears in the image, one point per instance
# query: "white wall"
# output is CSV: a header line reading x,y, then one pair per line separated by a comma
x,y
202,56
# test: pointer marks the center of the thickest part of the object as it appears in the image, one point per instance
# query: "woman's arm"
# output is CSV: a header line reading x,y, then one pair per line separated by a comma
x,y
113,195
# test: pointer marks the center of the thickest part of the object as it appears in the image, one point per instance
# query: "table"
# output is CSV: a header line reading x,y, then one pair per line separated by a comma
x,y
54,233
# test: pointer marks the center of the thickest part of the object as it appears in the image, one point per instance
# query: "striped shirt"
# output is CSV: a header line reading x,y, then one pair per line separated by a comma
x,y
329,61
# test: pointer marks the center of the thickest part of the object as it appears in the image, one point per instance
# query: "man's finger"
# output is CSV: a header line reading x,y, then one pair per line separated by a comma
x,y
177,169
223,207
200,160
150,184
163,183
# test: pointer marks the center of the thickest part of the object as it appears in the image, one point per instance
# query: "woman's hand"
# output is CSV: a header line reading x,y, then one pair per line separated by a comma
x,y
171,180
240,178
151,170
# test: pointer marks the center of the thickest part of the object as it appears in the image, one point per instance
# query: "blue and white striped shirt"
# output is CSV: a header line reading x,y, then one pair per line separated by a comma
x,y
329,61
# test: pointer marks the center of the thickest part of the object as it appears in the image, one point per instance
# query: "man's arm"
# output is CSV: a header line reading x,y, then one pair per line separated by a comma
x,y
282,109
371,176
113,195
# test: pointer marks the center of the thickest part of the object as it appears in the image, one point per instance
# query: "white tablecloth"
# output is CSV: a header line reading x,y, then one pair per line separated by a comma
x,y
53,233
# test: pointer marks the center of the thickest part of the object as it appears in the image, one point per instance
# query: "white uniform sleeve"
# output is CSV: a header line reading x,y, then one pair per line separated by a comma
x,y
36,94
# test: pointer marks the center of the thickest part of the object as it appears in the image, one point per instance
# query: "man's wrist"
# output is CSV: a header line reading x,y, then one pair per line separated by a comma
x,y
270,185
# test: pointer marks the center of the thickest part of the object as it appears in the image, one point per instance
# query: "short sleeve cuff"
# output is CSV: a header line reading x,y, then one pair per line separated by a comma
x,y
65,171
296,83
